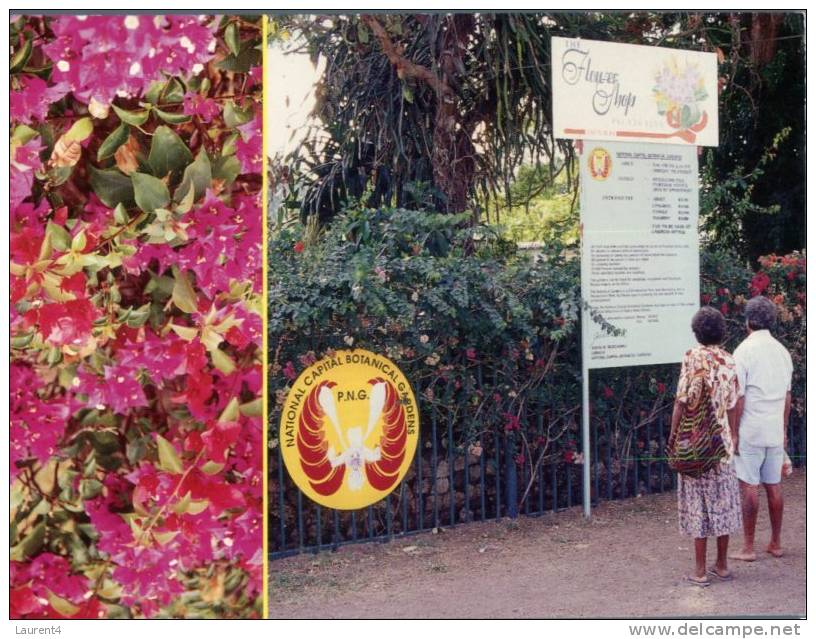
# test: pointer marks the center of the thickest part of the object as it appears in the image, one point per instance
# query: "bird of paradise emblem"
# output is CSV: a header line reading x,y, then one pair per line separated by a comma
x,y
349,429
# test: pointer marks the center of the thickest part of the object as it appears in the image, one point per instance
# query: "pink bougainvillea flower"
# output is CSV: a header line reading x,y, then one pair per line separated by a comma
x,y
65,323
197,391
25,160
30,100
91,329
218,438
100,57
248,147
204,108
122,391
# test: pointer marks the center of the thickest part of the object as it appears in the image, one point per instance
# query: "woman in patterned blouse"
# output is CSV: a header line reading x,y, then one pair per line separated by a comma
x,y
709,505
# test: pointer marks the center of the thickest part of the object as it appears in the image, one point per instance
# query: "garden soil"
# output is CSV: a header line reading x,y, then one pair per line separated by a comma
x,y
628,561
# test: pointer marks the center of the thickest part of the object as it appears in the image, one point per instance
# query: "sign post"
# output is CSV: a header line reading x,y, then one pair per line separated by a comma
x,y
641,112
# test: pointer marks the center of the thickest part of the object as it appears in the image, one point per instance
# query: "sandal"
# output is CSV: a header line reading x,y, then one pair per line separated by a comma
x,y
729,576
702,583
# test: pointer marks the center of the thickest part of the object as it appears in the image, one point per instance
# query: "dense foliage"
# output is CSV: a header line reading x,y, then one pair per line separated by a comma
x,y
485,332
440,111
135,369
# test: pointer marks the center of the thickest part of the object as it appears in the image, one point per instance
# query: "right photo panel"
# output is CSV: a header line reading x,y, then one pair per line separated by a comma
x,y
536,316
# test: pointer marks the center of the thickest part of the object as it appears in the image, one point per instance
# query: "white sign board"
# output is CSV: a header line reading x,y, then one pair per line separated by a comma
x,y
628,92
640,251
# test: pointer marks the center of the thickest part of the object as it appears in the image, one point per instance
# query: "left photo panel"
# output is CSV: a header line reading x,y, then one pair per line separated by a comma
x,y
136,367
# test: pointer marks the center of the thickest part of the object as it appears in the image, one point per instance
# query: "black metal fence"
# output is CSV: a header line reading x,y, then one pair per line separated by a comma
x,y
450,484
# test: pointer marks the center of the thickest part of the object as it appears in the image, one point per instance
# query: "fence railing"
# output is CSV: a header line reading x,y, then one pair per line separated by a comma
x,y
450,484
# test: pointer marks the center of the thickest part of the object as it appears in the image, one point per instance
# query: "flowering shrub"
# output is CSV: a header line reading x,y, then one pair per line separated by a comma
x,y
135,317
487,336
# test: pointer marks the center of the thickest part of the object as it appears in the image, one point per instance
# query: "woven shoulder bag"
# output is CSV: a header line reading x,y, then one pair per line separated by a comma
x,y
696,446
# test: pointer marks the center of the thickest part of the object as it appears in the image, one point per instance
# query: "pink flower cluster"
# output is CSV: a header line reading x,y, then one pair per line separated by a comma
x,y
144,409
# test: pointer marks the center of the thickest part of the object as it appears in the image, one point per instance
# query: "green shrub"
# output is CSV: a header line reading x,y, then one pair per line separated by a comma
x,y
488,335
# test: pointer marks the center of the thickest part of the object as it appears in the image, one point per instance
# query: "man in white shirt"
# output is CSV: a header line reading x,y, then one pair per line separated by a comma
x,y
764,370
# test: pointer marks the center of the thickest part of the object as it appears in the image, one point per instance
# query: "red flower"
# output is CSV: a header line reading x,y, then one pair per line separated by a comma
x,y
218,438
724,308
299,246
289,371
569,456
68,323
706,298
511,423
237,338
471,354
759,283
791,275
608,393
520,459
661,387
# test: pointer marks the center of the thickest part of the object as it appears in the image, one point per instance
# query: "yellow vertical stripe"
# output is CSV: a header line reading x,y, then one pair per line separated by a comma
x,y
265,301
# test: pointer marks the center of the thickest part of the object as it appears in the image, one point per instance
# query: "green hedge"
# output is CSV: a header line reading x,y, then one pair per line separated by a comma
x,y
485,332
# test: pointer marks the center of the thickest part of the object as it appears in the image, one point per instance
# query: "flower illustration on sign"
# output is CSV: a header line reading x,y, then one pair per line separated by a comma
x,y
678,92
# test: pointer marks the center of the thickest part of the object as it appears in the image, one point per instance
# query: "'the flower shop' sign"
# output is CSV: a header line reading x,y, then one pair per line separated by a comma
x,y
610,91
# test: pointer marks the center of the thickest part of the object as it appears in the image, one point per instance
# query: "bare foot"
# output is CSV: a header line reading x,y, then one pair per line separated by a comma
x,y
743,555
775,551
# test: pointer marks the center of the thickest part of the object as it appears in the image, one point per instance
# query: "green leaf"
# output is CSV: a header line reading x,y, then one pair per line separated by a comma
x,y
236,116
120,215
112,187
233,38
174,92
362,33
60,238
150,192
31,544
185,332
184,296
21,341
116,139
172,118
180,507
248,57
23,134
197,507
79,242
253,408
226,169
168,154
79,131
138,316
21,56
62,606
222,361
134,118
229,145
198,175
185,203
165,537
168,457
230,412
212,468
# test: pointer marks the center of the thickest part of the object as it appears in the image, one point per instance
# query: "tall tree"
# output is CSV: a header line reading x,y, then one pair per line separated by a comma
x,y
430,110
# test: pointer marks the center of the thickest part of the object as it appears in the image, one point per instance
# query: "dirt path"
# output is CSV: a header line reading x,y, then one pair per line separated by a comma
x,y
627,562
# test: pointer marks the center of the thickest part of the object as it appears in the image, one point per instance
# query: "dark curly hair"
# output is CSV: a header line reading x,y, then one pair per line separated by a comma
x,y
760,313
708,325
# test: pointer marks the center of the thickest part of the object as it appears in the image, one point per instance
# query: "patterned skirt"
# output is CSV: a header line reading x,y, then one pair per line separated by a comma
x,y
709,506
